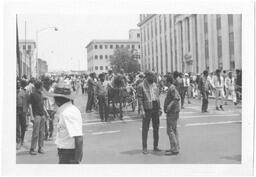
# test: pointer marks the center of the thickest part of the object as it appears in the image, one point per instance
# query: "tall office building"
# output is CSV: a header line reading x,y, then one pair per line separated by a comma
x,y
100,51
27,56
190,42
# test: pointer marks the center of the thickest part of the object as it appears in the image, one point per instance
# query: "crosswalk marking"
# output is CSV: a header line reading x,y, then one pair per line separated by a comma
x,y
105,132
211,123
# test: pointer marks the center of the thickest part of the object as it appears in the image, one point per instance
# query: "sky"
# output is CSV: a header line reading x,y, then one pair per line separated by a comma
x,y
65,49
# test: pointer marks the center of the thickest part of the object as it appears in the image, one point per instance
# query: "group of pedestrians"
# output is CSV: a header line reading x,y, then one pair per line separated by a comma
x,y
40,101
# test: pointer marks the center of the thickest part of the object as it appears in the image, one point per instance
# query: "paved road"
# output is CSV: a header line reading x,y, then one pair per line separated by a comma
x,y
205,138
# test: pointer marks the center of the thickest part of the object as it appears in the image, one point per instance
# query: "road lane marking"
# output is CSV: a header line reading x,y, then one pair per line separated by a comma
x,y
211,123
162,118
105,132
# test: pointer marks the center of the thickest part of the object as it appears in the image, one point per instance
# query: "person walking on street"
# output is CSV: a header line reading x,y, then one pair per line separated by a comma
x,y
218,85
21,112
172,109
230,87
148,95
69,138
91,84
102,95
37,112
204,86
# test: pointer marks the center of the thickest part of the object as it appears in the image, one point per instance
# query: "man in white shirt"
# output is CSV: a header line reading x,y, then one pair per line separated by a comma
x,y
218,85
69,139
230,87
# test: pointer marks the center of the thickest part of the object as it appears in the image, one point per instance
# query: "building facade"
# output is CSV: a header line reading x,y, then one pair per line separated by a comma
x,y
27,49
42,67
100,51
190,42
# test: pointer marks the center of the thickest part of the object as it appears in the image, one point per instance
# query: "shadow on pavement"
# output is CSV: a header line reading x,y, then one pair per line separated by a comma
x,y
132,152
234,157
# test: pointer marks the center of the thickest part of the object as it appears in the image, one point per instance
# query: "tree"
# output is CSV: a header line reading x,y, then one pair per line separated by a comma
x,y
124,59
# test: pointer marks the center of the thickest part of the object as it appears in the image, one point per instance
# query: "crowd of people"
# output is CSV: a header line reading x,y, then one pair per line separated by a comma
x,y
40,101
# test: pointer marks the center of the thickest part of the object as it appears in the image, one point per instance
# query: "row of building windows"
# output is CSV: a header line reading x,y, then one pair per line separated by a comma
x,y
115,46
101,57
185,37
100,68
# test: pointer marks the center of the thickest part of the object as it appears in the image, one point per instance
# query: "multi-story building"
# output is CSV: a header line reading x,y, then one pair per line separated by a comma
x,y
190,42
27,58
100,51
42,67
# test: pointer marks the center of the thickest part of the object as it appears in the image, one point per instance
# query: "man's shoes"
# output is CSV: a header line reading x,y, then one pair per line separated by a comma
x,y
145,151
217,108
169,152
156,149
41,151
221,108
32,152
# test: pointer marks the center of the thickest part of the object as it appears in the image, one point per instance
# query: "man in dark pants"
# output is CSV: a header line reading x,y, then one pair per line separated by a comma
x,y
172,109
102,95
204,86
21,112
69,138
37,112
148,95
91,84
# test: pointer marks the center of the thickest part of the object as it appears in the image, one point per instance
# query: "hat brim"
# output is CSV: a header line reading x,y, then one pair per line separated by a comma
x,y
71,97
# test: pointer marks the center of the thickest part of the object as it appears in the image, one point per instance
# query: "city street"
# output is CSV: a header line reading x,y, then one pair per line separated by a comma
x,y
205,138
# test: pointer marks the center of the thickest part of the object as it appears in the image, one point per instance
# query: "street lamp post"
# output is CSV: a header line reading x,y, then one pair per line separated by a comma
x,y
37,32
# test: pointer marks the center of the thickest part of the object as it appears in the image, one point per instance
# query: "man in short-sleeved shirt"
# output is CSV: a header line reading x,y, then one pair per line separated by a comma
x,y
69,139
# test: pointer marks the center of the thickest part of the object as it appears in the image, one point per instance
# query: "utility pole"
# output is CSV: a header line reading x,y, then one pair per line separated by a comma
x,y
25,71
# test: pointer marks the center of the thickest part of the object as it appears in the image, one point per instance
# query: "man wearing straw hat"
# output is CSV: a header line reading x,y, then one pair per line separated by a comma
x,y
69,138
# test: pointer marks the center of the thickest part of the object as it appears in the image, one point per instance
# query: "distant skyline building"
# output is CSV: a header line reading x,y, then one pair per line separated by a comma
x,y
27,49
99,51
190,42
42,67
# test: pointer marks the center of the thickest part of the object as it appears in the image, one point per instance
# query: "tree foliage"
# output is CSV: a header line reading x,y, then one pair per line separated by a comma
x,y
125,59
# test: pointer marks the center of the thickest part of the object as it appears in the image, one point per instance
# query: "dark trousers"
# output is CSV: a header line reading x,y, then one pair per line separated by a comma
x,y
21,125
90,101
205,101
38,132
183,92
82,89
103,107
154,115
49,124
66,156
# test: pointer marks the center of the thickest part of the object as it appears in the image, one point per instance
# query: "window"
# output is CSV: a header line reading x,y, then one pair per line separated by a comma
x,y
132,46
106,67
138,46
218,21
106,57
188,34
117,46
111,46
106,46
96,67
160,28
152,29
155,28
24,47
101,67
165,23
95,46
128,46
205,24
100,46
122,46
230,20
231,43
219,46
101,56
96,57
138,35
29,47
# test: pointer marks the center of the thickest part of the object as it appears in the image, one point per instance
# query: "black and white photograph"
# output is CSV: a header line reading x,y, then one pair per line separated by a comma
x,y
128,85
